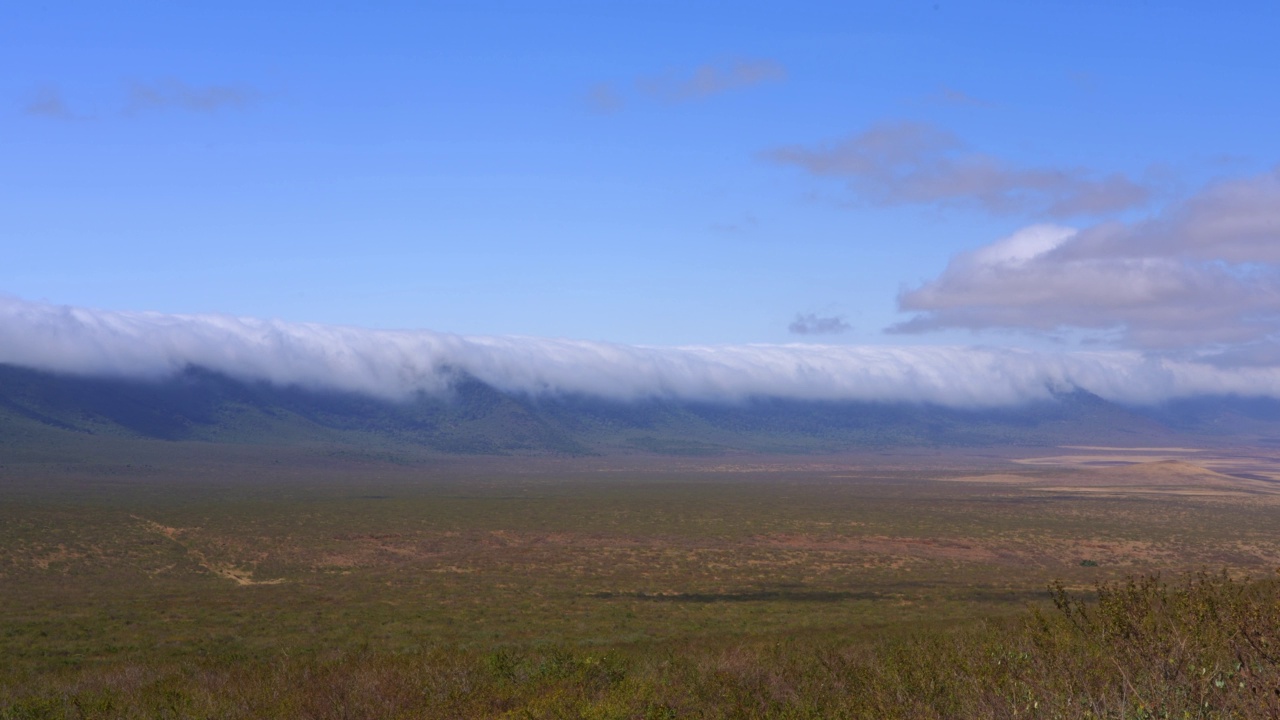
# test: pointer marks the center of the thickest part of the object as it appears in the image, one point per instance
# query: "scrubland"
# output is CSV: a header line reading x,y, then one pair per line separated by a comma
x,y
189,580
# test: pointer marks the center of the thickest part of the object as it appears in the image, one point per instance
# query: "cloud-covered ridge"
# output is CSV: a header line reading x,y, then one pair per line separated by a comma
x,y
397,364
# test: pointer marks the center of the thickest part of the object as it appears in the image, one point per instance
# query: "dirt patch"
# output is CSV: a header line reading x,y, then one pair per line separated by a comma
x,y
234,573
996,479
1133,449
1133,476
1097,460
60,554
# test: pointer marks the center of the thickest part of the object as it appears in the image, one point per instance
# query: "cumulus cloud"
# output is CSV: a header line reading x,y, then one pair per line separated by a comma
x,y
907,163
1202,275
173,93
396,364
812,324
710,79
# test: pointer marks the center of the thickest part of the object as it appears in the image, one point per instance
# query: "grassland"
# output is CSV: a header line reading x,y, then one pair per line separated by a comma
x,y
151,579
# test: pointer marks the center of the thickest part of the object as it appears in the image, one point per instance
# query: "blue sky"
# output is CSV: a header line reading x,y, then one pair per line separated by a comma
x,y
654,173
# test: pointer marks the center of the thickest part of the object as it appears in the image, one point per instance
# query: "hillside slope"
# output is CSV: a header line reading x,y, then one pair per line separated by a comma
x,y
475,418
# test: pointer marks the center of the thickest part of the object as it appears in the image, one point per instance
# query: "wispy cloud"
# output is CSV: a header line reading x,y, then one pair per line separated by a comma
x,y
712,79
907,163
745,223
397,364
699,83
1202,275
48,103
812,324
951,96
604,98
176,94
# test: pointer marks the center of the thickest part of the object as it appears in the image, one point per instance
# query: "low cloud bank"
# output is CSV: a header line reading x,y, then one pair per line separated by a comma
x,y
396,364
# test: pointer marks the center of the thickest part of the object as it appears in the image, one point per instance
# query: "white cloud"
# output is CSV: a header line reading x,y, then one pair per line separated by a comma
x,y
1024,245
1203,275
399,363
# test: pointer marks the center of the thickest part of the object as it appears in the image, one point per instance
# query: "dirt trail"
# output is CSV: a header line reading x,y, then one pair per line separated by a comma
x,y
238,575
1134,471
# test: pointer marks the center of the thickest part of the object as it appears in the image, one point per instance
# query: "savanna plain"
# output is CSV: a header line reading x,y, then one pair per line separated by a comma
x,y
170,579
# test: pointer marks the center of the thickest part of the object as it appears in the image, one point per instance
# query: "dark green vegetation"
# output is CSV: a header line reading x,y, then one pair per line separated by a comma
x,y
176,579
475,418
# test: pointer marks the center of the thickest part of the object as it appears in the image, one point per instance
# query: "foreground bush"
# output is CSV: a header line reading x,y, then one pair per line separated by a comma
x,y
1207,646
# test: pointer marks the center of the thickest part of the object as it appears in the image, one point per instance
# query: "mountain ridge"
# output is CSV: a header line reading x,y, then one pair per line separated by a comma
x,y
197,404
